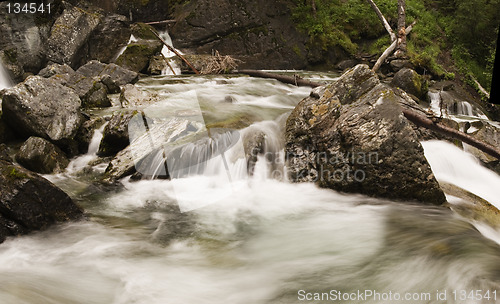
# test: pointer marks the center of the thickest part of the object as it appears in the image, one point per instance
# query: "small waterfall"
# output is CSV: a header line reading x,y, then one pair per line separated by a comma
x,y
82,161
168,55
120,52
452,106
5,80
452,165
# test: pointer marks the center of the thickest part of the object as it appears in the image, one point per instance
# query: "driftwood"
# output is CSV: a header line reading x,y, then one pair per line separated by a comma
x,y
175,52
427,123
390,49
481,89
295,80
162,22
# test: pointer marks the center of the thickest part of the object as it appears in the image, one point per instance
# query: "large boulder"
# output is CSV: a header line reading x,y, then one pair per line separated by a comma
x,y
41,156
411,82
69,34
43,108
351,136
29,202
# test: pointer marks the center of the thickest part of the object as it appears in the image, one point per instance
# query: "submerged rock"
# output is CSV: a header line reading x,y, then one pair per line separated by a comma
x,y
354,138
29,202
41,156
43,108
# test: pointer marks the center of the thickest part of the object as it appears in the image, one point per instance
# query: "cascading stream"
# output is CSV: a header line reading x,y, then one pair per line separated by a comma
x,y
264,240
5,80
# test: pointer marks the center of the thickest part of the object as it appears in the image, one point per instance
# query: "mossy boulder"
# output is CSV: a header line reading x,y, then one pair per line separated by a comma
x,y
28,202
138,54
411,82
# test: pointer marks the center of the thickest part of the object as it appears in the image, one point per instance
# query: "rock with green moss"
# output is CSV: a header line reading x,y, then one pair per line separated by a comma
x,y
411,82
353,137
138,54
29,202
41,156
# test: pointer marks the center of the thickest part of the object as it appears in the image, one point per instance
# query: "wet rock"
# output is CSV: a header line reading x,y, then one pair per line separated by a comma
x,y
29,202
487,133
41,107
56,69
253,144
119,75
141,151
97,95
41,156
86,132
69,34
354,138
411,82
131,96
115,136
112,86
9,60
157,65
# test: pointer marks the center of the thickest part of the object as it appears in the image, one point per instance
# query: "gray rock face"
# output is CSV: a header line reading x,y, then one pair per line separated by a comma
x,y
115,136
69,34
156,65
41,156
411,82
354,138
43,108
29,202
26,34
259,32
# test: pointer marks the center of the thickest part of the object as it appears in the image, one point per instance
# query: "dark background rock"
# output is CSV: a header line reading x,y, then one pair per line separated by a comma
x,y
29,202
41,156
259,32
119,75
355,139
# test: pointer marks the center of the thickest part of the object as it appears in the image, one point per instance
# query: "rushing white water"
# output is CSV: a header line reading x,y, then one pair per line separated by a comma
x,y
82,161
263,243
452,165
123,48
452,108
168,54
5,80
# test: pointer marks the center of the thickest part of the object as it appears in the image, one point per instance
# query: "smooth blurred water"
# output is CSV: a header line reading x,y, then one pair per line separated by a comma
x,y
5,80
263,243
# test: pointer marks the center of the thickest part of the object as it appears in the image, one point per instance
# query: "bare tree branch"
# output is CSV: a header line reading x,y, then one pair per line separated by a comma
x,y
382,18
390,49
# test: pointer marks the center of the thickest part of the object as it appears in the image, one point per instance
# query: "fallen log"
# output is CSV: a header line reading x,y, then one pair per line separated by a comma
x,y
161,22
175,52
295,80
433,125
